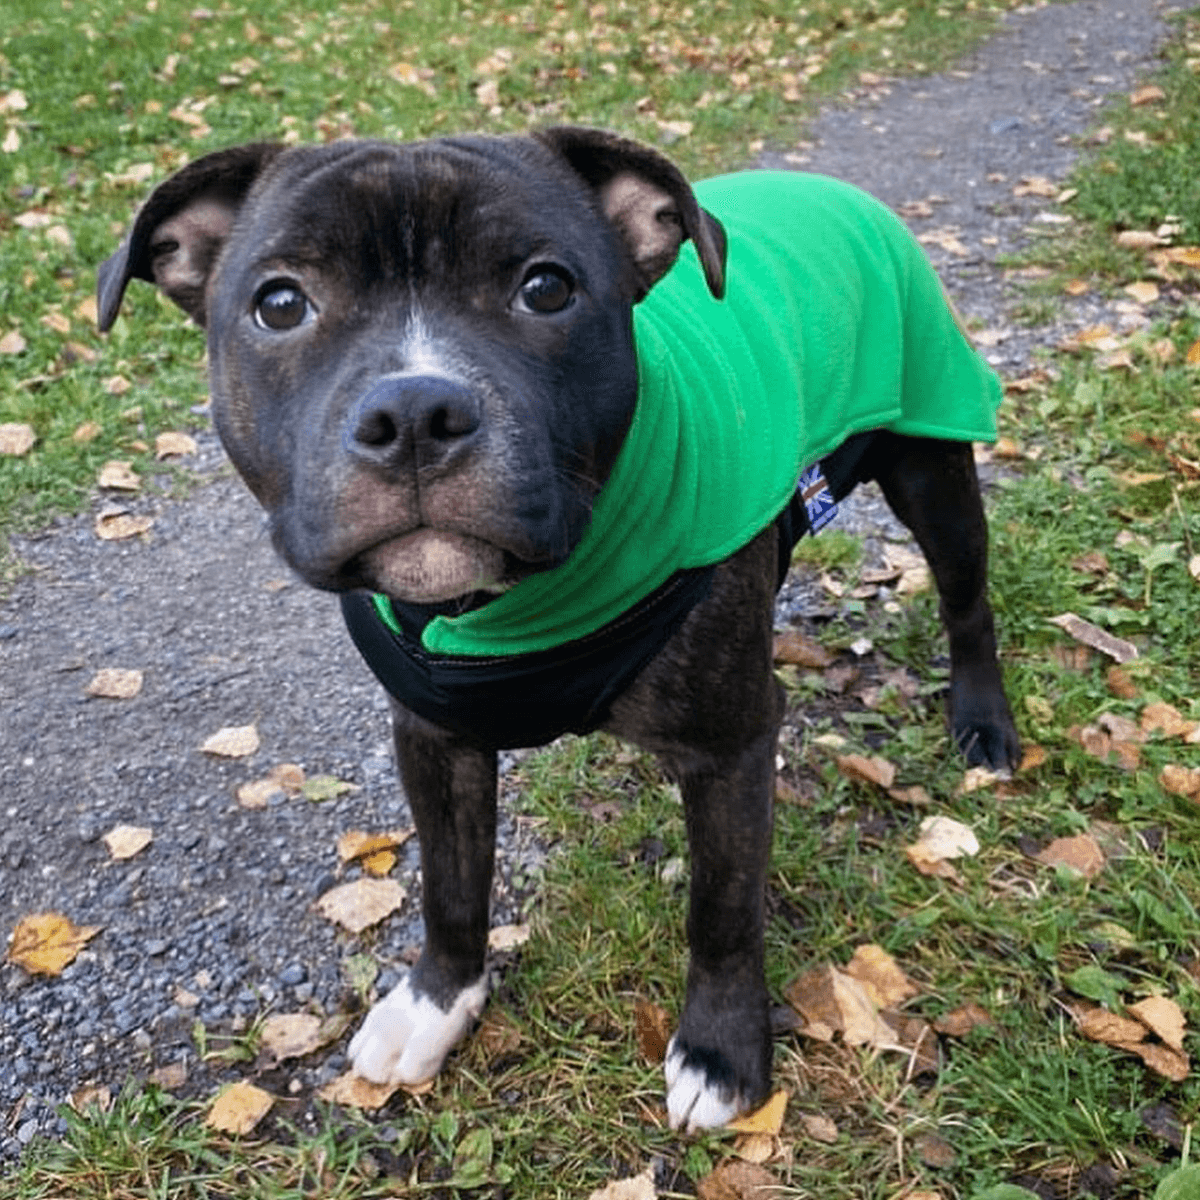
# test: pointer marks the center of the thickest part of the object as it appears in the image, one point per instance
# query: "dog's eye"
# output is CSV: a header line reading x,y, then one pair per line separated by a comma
x,y
281,306
546,289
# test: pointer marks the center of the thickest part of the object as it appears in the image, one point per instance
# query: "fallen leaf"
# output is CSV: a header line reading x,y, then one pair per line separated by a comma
x,y
291,1035
1099,1025
1192,358
877,971
1121,684
977,778
325,787
508,937
1162,1060
1037,185
91,1095
169,445
866,770
1162,1016
232,741
1180,781
1076,287
1150,94
357,843
497,1035
355,1092
124,841
819,1128
734,1179
1138,239
1159,717
113,683
12,343
1032,757
89,431
362,903
767,1118
379,864
170,1076
1080,853
1095,637
117,526
44,943
935,1151
652,1026
940,840
800,651
960,1021
1144,292
16,438
257,794
120,476
635,1187
239,1108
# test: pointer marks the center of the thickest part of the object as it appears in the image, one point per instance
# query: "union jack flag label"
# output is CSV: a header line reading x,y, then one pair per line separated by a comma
x,y
819,503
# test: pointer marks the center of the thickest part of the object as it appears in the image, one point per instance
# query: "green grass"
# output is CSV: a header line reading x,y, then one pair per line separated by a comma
x,y
564,1101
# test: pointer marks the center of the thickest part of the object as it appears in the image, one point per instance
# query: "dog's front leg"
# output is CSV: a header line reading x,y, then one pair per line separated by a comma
x,y
451,788
933,488
719,1061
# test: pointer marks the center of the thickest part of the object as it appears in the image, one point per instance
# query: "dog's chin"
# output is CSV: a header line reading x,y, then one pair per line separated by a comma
x,y
428,566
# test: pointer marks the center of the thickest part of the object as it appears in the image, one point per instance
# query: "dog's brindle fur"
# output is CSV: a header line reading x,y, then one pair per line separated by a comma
x,y
394,377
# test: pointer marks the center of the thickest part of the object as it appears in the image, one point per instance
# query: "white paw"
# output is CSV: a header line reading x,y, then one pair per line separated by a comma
x,y
692,1102
405,1038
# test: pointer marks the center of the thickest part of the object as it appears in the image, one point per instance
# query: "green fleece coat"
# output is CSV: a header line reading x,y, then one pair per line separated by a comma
x,y
833,323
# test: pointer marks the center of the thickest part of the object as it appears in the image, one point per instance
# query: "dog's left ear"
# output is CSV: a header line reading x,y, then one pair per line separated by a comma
x,y
648,200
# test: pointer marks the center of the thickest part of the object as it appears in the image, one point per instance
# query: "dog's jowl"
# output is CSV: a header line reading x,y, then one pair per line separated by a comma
x,y
550,421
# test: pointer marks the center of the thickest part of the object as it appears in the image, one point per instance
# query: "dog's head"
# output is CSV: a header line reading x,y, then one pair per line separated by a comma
x,y
421,355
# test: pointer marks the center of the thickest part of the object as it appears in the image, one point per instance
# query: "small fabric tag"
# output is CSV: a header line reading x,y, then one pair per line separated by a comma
x,y
819,503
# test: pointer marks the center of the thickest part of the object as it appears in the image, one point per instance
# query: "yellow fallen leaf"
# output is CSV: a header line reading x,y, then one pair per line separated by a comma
x,y
1144,291
877,971
355,1092
168,445
357,843
232,741
291,1035
362,903
767,1118
1076,287
940,840
874,770
635,1187
1162,1016
16,438
1192,358
118,526
380,863
239,1108
1167,719
44,943
114,683
120,476
124,841
1150,94
508,937
1079,853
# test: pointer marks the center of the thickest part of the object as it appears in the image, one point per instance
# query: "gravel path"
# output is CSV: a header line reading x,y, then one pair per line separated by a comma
x,y
214,920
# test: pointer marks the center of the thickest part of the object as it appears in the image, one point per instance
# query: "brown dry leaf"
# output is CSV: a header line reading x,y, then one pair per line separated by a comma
x,y
239,1108
1037,185
89,431
12,343
1144,291
874,770
1162,1060
291,1035
635,1187
946,239
56,321
915,796
960,1021
117,525
364,902
357,843
1095,637
1167,719
977,778
756,1147
653,1029
1162,1016
1150,94
877,971
168,445
508,937
232,741
1192,358
941,839
91,1095
43,943
1032,757
735,1179
793,647
1080,853
1180,781
497,1035
1076,287
355,1092
1121,684
114,683
1138,239
819,1128
124,841
1115,360
120,476
1099,1025
16,438
1122,1033
257,794
116,385
767,1118
170,1076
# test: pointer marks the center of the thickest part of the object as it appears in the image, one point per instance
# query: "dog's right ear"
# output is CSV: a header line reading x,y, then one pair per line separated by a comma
x,y
180,230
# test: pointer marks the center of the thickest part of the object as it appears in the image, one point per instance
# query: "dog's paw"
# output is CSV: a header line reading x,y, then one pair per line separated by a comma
x,y
406,1036
695,1099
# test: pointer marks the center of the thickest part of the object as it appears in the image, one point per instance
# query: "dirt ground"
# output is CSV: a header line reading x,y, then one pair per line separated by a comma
x,y
220,904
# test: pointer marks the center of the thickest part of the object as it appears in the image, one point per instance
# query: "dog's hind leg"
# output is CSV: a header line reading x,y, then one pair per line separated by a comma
x,y
932,487
451,787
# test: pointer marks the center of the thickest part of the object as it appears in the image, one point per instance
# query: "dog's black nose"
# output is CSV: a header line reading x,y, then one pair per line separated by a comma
x,y
422,417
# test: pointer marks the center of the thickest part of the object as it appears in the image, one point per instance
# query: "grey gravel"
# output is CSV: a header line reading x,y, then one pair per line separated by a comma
x,y
214,920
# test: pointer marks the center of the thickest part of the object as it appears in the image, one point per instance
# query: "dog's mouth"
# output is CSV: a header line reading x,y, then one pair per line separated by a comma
x,y
430,566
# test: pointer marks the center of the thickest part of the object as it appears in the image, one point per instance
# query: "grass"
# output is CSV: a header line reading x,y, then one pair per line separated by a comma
x,y
553,1097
